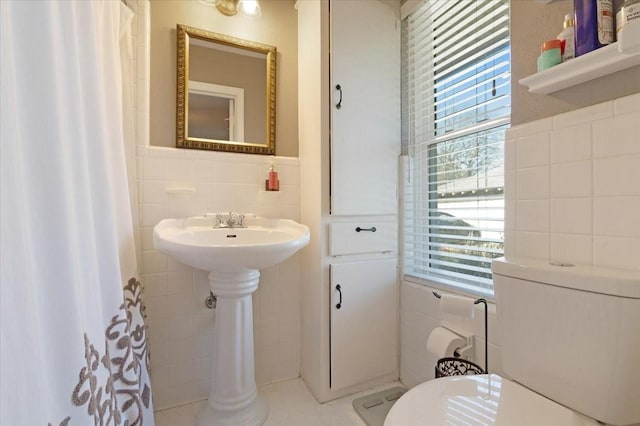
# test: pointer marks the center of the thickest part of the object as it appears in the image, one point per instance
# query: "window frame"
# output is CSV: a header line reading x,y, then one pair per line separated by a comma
x,y
432,277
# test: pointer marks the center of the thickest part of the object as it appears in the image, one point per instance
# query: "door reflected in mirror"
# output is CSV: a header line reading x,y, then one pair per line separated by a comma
x,y
226,93
215,112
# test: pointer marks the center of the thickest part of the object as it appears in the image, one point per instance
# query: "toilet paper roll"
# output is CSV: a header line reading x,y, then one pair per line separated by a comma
x,y
457,305
442,342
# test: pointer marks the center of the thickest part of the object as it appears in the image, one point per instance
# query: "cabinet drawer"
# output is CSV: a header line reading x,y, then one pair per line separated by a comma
x,y
359,237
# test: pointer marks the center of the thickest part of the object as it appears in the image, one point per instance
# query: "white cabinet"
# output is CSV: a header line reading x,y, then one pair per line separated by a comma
x,y
363,321
348,172
365,110
365,144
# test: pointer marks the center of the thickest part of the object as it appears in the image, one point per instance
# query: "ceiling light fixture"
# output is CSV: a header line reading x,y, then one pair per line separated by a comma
x,y
248,8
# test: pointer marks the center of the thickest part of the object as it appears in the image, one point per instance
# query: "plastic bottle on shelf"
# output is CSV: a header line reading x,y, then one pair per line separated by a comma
x,y
593,25
272,183
629,11
550,55
628,27
568,38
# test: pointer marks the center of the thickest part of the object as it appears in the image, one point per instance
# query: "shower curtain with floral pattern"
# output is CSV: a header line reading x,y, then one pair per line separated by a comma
x,y
73,347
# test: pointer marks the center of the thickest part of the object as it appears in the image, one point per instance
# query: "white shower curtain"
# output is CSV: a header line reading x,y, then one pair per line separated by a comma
x,y
72,337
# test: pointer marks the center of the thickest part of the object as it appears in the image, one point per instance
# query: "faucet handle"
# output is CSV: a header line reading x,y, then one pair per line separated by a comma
x,y
219,219
241,221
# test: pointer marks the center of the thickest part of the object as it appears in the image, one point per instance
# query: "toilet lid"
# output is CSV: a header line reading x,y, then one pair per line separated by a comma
x,y
477,400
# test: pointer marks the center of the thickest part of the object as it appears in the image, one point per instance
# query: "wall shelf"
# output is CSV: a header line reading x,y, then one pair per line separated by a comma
x,y
598,63
176,190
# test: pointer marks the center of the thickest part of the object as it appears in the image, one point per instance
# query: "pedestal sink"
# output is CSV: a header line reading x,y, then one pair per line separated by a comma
x,y
233,257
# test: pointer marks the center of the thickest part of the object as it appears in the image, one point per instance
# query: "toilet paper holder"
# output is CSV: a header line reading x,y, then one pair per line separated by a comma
x,y
486,328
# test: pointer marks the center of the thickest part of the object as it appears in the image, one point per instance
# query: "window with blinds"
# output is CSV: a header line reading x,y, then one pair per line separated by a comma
x,y
456,108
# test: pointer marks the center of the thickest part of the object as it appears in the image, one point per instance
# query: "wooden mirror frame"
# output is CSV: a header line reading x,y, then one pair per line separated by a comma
x,y
182,107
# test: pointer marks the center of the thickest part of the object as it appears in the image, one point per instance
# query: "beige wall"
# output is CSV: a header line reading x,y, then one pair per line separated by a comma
x,y
277,27
531,24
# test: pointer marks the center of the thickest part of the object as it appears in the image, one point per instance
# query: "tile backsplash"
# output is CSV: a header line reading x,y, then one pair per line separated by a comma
x,y
180,326
572,185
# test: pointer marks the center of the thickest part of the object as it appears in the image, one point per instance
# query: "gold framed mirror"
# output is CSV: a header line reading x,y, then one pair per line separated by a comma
x,y
226,93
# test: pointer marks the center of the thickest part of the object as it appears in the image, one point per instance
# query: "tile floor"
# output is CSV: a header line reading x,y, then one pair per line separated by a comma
x,y
290,404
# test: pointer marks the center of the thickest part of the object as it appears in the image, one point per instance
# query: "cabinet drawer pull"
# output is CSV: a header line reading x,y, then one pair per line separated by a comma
x,y
372,229
339,288
339,89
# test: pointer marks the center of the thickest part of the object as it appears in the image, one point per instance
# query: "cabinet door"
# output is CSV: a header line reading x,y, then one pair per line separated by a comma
x,y
364,327
365,128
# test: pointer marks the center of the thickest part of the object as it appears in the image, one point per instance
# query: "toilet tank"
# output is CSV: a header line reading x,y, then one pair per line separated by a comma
x,y
572,333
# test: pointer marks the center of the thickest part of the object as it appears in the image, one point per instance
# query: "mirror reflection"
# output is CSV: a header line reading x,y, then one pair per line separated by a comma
x,y
226,93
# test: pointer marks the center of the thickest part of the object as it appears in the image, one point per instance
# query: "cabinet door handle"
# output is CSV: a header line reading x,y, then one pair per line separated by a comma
x,y
372,229
339,288
339,89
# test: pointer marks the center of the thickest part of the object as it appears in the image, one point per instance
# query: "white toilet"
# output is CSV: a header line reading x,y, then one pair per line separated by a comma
x,y
570,342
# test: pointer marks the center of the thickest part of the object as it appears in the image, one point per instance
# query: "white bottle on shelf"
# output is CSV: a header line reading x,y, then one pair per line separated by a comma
x,y
568,36
628,27
628,11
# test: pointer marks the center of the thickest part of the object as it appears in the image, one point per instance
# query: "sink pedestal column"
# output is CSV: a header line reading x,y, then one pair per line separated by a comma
x,y
233,399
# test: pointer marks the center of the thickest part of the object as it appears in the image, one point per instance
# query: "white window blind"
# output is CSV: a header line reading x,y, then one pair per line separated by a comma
x,y
456,108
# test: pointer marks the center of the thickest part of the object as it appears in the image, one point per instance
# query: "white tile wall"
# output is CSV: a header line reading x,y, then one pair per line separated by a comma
x,y
533,151
572,194
180,326
570,144
583,203
533,183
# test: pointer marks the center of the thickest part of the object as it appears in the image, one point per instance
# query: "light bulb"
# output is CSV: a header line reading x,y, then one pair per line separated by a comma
x,y
249,8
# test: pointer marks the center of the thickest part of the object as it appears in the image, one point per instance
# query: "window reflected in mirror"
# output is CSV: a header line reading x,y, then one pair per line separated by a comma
x,y
215,112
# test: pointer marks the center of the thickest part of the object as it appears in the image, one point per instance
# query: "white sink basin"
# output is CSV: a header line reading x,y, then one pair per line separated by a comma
x,y
233,257
195,242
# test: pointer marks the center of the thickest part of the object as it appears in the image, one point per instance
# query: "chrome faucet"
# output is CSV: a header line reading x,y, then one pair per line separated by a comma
x,y
231,220
235,221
